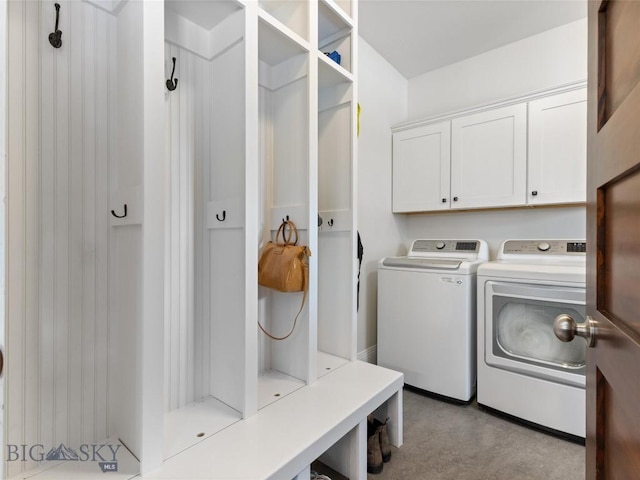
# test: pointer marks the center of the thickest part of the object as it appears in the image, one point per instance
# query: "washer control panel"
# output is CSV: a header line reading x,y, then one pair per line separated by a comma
x,y
548,247
449,246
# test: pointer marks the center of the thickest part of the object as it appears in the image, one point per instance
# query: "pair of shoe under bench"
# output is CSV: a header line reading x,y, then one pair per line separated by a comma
x,y
282,439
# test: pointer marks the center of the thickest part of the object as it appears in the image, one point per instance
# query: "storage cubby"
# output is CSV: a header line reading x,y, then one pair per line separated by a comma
x,y
205,211
83,240
334,32
284,164
336,258
345,6
293,15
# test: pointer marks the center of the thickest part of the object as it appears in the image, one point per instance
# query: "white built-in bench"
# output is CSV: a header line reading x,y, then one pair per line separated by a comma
x,y
327,418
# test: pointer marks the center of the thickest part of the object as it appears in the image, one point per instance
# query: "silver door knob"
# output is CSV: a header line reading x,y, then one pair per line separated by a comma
x,y
566,329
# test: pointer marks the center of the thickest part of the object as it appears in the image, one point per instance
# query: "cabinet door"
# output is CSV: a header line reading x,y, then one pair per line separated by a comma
x,y
489,158
421,172
558,148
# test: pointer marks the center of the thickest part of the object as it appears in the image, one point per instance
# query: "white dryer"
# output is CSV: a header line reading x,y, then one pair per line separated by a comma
x,y
523,369
427,315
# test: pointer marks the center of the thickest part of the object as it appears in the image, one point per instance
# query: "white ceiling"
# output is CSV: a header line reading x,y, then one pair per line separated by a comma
x,y
417,36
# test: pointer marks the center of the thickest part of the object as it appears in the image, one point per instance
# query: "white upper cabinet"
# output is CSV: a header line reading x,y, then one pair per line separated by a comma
x,y
489,158
558,148
421,172
527,152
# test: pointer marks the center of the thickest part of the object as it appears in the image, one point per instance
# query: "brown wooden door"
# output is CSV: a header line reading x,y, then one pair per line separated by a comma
x,y
613,236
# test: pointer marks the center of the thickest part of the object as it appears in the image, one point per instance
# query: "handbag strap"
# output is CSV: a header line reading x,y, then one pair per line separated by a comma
x,y
282,231
295,320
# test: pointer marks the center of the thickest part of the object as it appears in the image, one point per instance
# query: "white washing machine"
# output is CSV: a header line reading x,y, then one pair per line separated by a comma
x,y
523,369
427,315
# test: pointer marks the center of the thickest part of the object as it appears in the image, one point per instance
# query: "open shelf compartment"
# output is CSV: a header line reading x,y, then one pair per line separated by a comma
x,y
335,29
330,73
277,42
292,14
331,20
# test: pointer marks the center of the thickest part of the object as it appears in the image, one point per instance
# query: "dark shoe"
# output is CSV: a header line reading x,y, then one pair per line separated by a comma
x,y
374,454
385,446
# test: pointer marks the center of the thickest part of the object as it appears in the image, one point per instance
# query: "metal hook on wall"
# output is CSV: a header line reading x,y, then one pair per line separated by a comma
x,y
55,38
224,215
287,219
120,216
330,223
172,83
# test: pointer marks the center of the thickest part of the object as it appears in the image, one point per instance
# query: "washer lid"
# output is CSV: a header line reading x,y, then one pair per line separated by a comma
x,y
422,263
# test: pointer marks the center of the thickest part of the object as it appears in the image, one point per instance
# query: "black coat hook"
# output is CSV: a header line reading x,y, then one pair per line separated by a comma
x,y
330,223
172,83
120,216
55,38
224,215
287,219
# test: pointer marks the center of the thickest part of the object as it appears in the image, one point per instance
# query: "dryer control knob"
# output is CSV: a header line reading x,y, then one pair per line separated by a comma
x,y
440,245
544,246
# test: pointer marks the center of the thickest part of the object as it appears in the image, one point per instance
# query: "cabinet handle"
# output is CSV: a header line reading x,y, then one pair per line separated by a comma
x,y
444,200
455,199
534,193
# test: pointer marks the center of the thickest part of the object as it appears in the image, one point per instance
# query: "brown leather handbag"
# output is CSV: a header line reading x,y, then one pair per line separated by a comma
x,y
284,266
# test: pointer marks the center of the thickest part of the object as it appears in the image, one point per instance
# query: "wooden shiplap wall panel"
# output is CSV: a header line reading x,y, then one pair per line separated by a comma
x,y
201,273
104,235
16,230
62,242
32,199
185,194
59,145
173,274
203,166
85,144
47,238
183,351
172,315
76,219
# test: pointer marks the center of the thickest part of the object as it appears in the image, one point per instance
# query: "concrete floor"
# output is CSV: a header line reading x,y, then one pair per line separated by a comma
x,y
450,442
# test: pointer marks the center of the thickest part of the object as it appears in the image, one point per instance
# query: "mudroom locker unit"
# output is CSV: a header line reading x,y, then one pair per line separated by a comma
x,y
152,149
